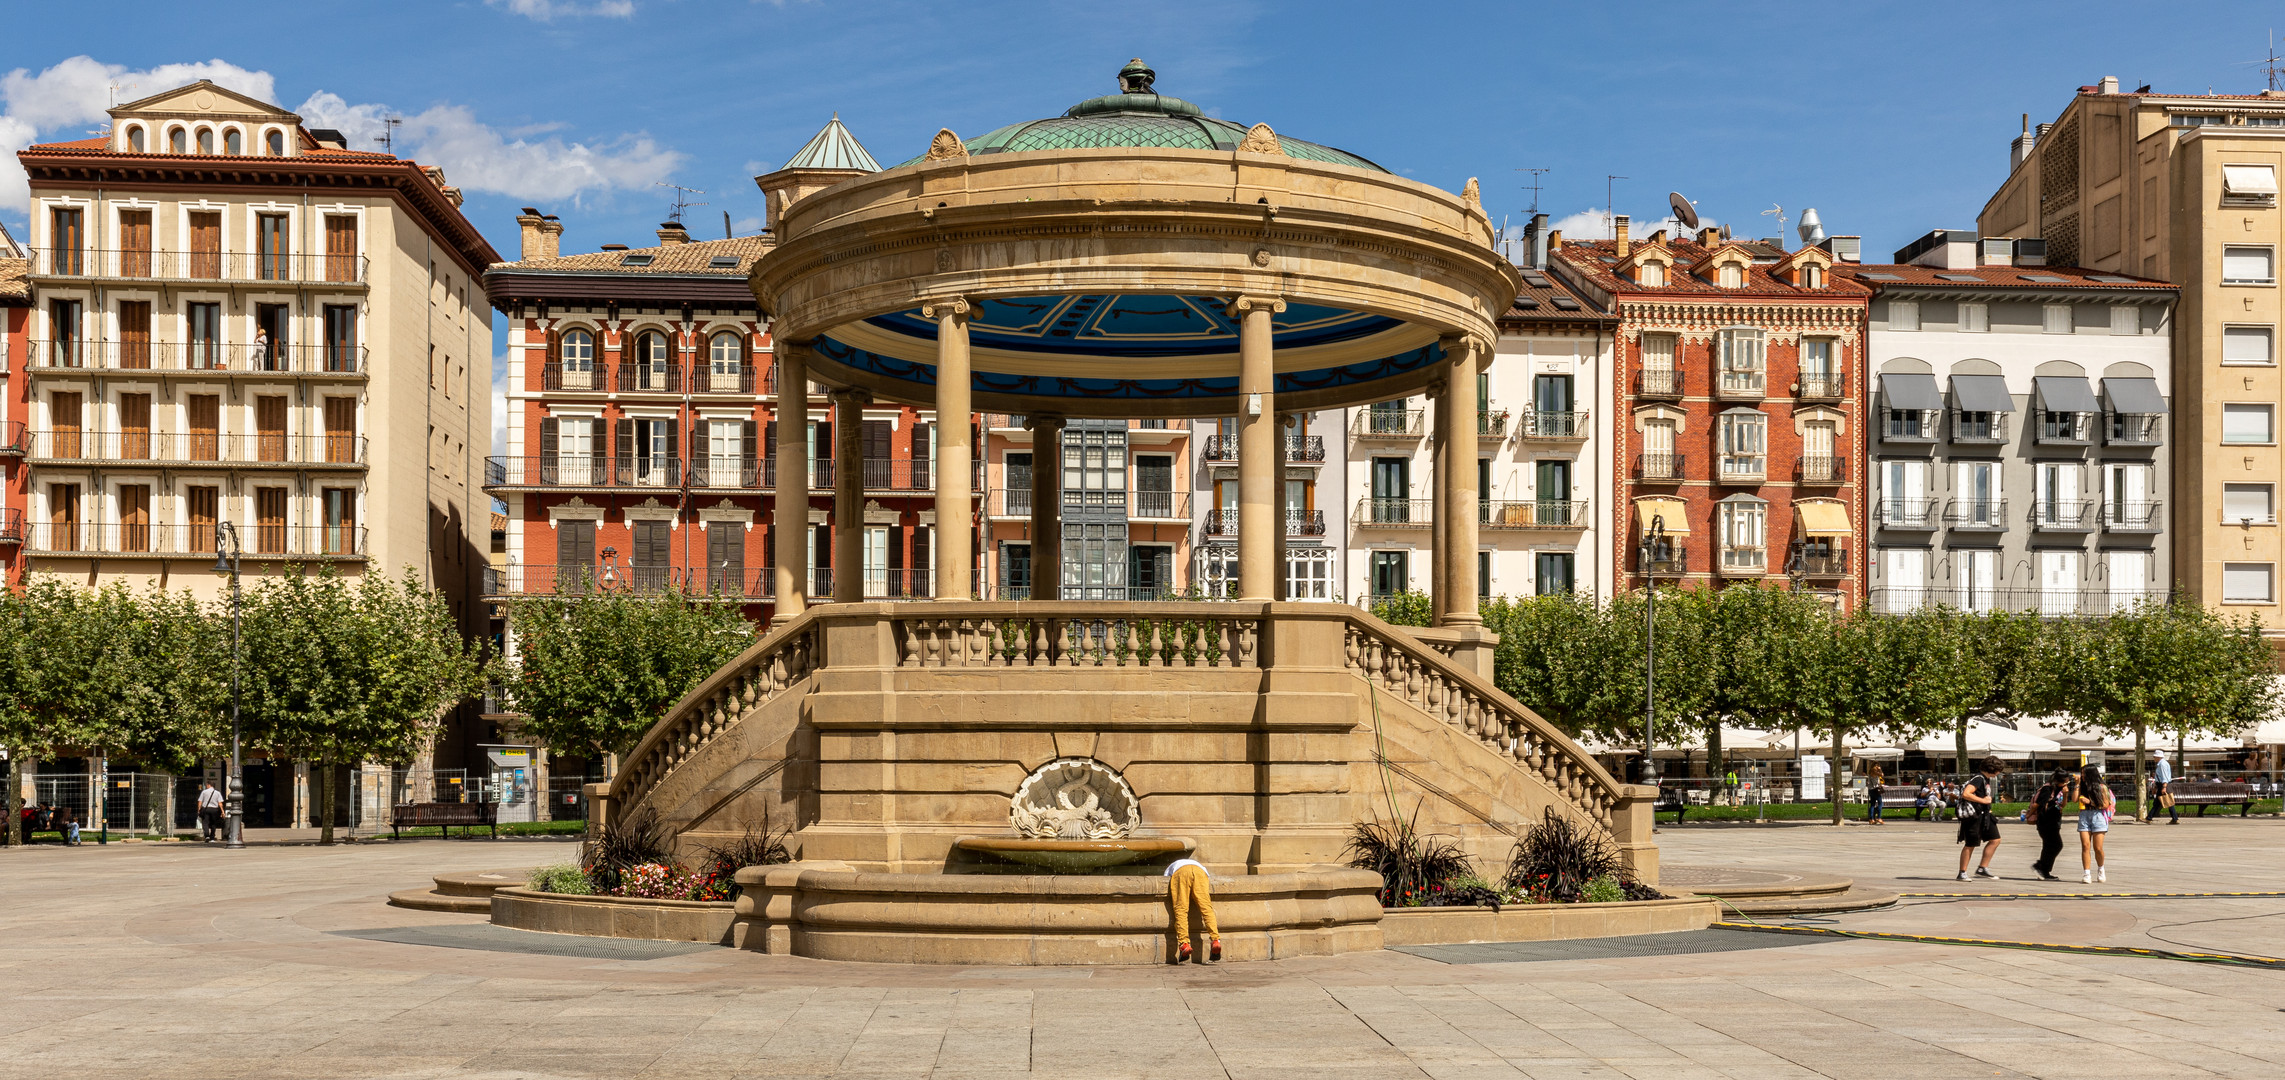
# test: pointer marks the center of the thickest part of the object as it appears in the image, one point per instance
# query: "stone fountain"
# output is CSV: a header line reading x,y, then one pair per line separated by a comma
x,y
1070,816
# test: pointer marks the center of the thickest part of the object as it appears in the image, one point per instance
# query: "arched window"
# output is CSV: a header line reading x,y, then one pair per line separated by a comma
x,y
233,142
578,351
653,369
178,141
727,352
206,140
135,137
277,141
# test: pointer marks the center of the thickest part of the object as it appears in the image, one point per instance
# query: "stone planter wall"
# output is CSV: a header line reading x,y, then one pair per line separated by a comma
x,y
614,916
1545,922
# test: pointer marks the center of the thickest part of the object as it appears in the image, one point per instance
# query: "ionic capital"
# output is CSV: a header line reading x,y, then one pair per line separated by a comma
x,y
1247,304
1043,422
938,307
850,395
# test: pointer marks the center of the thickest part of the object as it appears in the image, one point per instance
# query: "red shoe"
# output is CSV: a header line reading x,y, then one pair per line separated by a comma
x,y
1182,953
1214,950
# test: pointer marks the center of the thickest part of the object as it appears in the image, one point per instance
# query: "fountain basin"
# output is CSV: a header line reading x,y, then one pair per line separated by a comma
x,y
1073,856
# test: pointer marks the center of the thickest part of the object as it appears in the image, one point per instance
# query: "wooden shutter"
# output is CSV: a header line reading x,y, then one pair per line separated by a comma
x,y
548,443
134,243
340,247
135,426
270,243
341,429
270,520
134,333
64,237
748,432
203,503
923,461
575,553
923,563
340,521
205,426
878,473
769,453
63,517
64,413
134,517
206,243
651,554
674,440
270,428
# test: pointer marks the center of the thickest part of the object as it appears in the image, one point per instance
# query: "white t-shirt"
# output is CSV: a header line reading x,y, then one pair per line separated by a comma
x,y
209,799
1180,863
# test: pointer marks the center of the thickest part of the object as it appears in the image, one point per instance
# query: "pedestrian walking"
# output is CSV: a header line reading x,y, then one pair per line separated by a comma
x,y
1185,882
1978,824
209,812
1873,794
2095,803
2162,789
2047,817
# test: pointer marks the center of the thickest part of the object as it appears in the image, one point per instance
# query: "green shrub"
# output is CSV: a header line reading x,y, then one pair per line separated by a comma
x,y
561,878
1558,858
1414,869
1602,890
1409,608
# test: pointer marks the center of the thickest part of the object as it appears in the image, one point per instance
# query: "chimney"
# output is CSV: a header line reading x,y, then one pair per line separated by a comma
x,y
542,234
2020,150
1539,241
2110,84
1709,236
672,233
1555,240
1618,234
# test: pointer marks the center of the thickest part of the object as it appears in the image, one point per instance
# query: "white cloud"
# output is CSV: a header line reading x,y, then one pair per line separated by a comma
x,y
478,157
77,92
1594,223
549,10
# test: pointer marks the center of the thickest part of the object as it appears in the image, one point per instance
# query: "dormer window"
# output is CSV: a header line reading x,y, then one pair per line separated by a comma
x,y
178,141
1812,276
135,138
277,142
1731,276
1651,275
233,143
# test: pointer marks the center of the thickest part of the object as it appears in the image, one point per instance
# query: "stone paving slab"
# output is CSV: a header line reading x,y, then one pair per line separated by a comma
x,y
173,961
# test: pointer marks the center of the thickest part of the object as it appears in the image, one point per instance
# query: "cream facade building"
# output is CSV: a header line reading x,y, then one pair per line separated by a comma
x,y
236,319
2183,188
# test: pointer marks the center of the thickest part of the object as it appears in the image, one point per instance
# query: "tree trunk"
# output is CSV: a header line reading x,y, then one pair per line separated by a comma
x,y
14,834
324,766
2141,773
1714,758
1833,773
1960,745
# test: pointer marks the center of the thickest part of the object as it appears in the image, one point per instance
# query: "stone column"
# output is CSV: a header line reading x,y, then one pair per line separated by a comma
x,y
790,514
1258,452
955,514
1439,509
849,496
1046,505
1462,511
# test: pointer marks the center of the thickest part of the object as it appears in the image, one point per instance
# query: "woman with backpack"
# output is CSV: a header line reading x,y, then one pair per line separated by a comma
x,y
2095,803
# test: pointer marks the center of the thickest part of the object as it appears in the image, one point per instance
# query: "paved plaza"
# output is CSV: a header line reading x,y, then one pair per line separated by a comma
x,y
185,961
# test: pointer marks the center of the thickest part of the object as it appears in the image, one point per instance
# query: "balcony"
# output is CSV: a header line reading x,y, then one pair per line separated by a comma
x,y
12,440
1009,503
1150,505
1372,513
1224,523
170,448
1908,513
1675,562
1908,425
199,266
580,471
2063,515
1741,386
1659,383
1659,468
1491,424
201,358
1976,428
2132,517
1823,470
1394,424
1299,449
11,526
1739,561
1744,468
1831,564
2134,429
2050,603
263,540
1530,515
640,378
2066,429
1821,387
1552,426
724,473
1976,515
738,379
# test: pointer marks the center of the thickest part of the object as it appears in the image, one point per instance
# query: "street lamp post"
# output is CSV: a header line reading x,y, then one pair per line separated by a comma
x,y
1652,540
226,552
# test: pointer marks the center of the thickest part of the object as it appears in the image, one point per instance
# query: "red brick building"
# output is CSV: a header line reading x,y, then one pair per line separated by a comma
x,y
15,323
1739,408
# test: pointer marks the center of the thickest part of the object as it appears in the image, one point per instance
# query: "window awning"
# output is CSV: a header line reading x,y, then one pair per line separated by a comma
x,y
1910,391
2065,393
2249,180
2134,396
1673,514
1982,393
1823,518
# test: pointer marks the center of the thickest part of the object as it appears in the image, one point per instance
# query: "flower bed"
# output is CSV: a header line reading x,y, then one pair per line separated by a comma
x,y
1556,862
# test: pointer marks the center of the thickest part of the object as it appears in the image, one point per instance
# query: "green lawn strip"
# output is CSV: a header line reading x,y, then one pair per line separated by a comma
x,y
514,828
1823,811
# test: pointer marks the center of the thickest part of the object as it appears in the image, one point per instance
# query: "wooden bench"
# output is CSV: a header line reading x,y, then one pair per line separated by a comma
x,y
443,815
2205,793
1895,798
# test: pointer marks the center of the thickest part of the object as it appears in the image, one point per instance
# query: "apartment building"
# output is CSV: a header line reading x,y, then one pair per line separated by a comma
x,y
1315,489
1124,506
2020,445
15,322
239,321
2182,188
1738,441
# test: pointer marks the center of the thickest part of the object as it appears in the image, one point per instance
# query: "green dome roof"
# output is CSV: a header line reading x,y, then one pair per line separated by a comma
x,y
1138,117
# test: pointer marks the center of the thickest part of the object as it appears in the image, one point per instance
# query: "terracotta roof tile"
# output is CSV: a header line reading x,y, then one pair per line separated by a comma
x,y
2017,277
1536,302
15,279
1592,260
695,257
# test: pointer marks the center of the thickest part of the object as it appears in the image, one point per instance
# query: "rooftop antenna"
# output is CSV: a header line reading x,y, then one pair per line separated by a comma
x,y
1611,202
2269,64
388,137
1535,185
115,88
1777,212
681,200
1684,211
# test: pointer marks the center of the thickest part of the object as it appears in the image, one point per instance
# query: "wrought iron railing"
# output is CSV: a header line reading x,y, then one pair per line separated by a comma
x,y
147,264
195,448
261,539
1531,514
1823,469
1823,386
1659,383
1374,423
1660,466
198,356
1976,514
1552,426
1374,512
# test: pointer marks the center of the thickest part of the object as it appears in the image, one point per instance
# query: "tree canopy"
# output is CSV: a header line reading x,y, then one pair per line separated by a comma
x,y
593,671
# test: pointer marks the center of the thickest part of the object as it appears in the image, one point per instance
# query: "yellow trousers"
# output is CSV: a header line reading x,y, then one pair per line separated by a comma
x,y
1187,884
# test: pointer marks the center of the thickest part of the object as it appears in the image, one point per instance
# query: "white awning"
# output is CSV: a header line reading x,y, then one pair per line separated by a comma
x,y
1991,739
2249,180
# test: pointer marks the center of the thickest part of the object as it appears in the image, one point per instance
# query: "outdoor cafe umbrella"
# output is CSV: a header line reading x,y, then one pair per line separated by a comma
x,y
1988,738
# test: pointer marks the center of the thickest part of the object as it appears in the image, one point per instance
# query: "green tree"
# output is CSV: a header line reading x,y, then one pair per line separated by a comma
x,y
1554,656
337,673
593,672
1408,608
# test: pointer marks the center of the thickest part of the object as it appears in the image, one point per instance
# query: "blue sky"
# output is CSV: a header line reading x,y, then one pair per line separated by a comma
x,y
1889,119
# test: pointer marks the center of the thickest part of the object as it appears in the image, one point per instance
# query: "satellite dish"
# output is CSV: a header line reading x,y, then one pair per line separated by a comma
x,y
1683,211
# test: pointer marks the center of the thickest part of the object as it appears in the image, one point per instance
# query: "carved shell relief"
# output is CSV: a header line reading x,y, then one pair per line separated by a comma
x,y
1075,799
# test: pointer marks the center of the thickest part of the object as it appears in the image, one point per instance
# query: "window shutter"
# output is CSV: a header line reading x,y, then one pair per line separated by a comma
x,y
923,460
746,434
673,439
896,548
923,559
548,443
554,346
